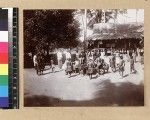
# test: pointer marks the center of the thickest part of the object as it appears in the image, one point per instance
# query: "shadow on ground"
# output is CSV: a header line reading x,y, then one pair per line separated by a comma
x,y
120,94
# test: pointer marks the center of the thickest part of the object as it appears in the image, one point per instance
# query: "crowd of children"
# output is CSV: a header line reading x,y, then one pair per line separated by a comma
x,y
90,63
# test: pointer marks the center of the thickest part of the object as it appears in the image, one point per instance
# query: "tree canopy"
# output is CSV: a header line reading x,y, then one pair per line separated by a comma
x,y
49,29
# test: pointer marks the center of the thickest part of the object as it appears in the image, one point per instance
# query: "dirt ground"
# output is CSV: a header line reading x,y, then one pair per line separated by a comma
x,y
110,89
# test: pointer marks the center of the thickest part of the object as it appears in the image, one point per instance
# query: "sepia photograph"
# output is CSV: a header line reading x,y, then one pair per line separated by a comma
x,y
83,57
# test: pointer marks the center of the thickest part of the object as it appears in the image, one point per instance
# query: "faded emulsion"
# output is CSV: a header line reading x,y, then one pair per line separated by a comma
x,y
83,57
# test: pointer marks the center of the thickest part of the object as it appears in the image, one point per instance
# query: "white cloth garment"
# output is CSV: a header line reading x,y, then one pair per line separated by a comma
x,y
59,55
35,60
68,55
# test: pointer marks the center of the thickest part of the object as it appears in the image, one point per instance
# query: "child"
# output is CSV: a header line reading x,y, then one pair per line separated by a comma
x,y
90,68
83,69
52,65
121,66
35,61
132,65
99,66
81,58
76,66
113,63
69,67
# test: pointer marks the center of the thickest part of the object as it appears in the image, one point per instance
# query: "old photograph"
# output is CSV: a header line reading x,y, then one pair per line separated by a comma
x,y
83,57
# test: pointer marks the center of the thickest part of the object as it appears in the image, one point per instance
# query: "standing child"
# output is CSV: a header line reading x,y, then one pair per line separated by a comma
x,y
81,57
69,67
76,66
113,63
121,66
83,69
59,58
90,68
132,64
35,61
134,56
52,65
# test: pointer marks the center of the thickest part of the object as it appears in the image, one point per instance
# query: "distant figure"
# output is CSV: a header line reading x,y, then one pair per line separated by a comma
x,y
90,57
81,58
69,67
52,65
130,53
40,64
68,55
76,66
134,56
132,69
121,66
103,55
99,66
35,61
95,55
127,56
59,58
64,67
90,68
92,53
97,60
142,57
113,63
77,55
83,69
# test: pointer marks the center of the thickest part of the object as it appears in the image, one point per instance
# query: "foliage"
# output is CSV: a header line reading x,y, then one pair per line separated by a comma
x,y
97,15
50,29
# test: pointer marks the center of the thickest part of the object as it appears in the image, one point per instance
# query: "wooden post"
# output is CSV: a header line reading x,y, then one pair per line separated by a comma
x,y
85,27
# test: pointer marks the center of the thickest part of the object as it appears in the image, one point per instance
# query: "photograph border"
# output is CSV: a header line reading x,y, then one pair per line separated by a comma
x,y
78,113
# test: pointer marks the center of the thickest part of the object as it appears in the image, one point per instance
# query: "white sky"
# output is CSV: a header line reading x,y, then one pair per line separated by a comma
x,y
132,15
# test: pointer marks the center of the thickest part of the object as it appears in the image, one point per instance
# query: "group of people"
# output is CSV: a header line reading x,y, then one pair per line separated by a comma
x,y
88,63
38,61
91,63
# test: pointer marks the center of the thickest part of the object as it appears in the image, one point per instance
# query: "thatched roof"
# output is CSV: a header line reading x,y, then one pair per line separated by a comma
x,y
104,31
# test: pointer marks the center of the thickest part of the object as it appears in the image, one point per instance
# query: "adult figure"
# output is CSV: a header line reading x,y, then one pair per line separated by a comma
x,y
99,65
142,57
130,53
95,54
59,58
89,56
134,56
40,64
97,60
121,66
132,69
84,57
99,53
92,53
113,62
35,61
76,66
69,67
103,54
52,65
127,56
77,54
68,55
81,58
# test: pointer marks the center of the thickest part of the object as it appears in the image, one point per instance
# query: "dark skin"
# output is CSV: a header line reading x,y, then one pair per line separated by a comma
x,y
121,71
